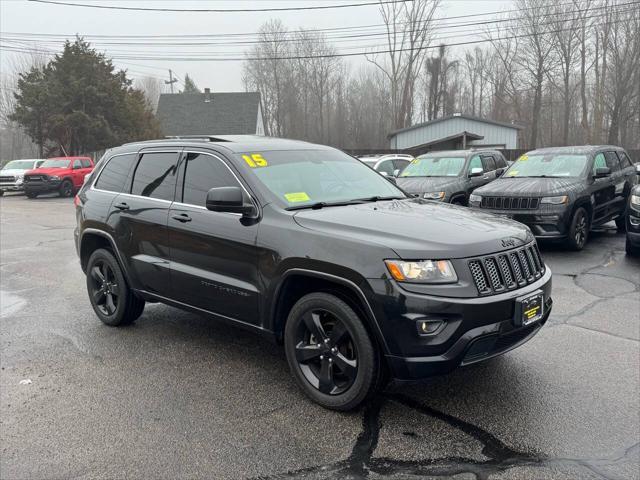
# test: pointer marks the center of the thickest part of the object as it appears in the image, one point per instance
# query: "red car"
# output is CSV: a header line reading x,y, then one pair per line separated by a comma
x,y
64,175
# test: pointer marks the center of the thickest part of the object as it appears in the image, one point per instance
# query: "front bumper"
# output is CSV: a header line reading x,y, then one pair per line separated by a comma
x,y
549,222
476,328
42,187
12,187
633,226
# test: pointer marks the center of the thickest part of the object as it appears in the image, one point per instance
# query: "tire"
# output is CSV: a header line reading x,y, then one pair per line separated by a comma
x,y
341,340
1,193
113,301
621,223
31,195
66,189
578,229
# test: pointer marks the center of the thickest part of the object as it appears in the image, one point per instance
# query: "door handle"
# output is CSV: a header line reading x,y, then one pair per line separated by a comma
x,y
183,217
121,206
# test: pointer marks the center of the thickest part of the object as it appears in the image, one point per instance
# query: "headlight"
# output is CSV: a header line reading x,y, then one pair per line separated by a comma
x,y
561,200
475,198
54,177
635,199
434,195
422,271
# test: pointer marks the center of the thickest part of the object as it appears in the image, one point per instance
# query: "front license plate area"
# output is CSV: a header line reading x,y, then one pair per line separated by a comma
x,y
529,309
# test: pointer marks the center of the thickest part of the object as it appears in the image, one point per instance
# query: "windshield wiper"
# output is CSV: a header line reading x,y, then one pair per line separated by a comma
x,y
319,205
378,198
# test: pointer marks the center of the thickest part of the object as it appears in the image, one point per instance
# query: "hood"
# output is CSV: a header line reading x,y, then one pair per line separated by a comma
x,y
418,229
12,172
426,184
530,187
48,171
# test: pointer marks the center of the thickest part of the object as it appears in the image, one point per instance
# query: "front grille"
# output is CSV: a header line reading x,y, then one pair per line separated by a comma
x,y
507,271
7,179
510,203
35,178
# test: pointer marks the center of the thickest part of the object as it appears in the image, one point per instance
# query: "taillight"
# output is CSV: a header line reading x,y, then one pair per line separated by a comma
x,y
76,201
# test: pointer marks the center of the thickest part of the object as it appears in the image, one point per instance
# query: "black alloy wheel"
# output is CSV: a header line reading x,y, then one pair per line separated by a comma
x,y
66,189
330,353
579,230
111,298
325,352
105,291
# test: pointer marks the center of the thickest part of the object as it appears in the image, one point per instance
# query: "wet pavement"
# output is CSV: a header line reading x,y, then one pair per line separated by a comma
x,y
179,396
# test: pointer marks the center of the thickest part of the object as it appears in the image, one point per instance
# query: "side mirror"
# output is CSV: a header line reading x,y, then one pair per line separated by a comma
x,y
476,172
396,172
602,172
230,200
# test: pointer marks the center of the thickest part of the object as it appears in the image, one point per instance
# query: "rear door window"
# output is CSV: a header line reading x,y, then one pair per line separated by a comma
x,y
202,173
612,161
113,176
86,163
625,161
488,163
155,176
386,167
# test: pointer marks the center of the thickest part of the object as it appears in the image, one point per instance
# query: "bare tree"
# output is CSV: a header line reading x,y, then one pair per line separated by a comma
x,y
152,88
408,34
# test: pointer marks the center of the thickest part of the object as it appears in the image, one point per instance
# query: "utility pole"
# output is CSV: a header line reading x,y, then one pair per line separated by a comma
x,y
171,80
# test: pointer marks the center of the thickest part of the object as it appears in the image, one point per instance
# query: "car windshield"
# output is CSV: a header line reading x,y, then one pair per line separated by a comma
x,y
19,165
548,165
302,178
434,166
55,163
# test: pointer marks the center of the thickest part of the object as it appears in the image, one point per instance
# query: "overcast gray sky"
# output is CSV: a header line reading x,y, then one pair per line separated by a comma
x,y
29,17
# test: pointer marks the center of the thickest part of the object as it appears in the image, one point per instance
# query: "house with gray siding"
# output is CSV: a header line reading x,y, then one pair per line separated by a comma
x,y
209,113
455,132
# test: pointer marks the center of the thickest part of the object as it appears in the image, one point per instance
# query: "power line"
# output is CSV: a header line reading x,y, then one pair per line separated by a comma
x,y
303,57
132,55
221,10
336,40
285,32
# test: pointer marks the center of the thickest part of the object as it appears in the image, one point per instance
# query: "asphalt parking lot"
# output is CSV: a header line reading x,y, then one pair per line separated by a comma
x,y
178,396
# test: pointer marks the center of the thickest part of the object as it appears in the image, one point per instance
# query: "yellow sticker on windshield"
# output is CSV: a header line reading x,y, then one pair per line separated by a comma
x,y
523,158
296,197
513,173
255,160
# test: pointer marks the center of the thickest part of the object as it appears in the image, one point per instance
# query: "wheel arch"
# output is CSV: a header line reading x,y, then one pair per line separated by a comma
x,y
459,196
584,202
93,239
296,283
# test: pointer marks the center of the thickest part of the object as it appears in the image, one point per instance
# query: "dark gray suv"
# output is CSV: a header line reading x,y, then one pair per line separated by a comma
x,y
451,176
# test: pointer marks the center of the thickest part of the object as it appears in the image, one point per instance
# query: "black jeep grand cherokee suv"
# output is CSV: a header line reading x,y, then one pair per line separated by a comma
x,y
562,192
306,245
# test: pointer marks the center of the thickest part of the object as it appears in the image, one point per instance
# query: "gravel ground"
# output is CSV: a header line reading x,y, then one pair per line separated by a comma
x,y
179,396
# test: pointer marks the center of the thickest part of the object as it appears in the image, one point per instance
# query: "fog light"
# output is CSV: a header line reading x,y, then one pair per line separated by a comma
x,y
634,221
429,327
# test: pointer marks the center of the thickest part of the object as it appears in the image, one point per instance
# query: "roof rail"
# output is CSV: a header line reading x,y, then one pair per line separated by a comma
x,y
209,138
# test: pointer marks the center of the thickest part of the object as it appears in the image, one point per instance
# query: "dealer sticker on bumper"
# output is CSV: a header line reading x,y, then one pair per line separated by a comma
x,y
529,309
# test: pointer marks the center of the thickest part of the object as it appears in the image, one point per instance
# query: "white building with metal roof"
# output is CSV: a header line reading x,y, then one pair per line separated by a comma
x,y
454,133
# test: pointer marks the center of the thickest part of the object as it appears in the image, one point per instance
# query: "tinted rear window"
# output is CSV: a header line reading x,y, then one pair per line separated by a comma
x,y
155,176
114,175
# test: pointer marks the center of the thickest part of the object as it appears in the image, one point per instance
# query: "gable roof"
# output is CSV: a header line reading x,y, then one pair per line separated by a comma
x,y
450,117
228,113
